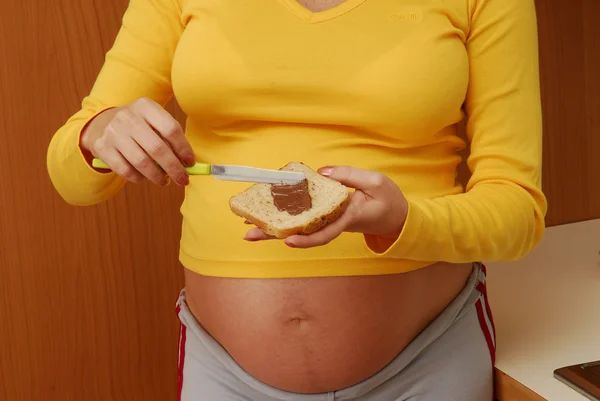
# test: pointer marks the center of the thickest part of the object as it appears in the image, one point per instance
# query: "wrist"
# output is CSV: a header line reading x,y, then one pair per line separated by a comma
x,y
92,130
83,143
85,147
382,242
397,220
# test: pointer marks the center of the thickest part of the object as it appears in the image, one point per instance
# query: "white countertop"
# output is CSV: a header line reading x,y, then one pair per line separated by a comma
x,y
546,308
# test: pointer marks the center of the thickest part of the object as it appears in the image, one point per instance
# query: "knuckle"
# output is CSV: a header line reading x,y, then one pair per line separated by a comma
x,y
110,130
142,163
157,149
172,129
126,172
142,102
100,145
175,169
158,179
377,180
123,116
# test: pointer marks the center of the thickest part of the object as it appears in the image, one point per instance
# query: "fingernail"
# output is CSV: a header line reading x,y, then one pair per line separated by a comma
x,y
166,181
183,179
290,244
189,161
326,171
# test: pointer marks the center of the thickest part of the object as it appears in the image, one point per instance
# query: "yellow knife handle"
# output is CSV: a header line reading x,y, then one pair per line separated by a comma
x,y
97,163
199,169
196,169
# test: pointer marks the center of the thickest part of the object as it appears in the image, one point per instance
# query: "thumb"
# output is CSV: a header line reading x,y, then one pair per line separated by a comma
x,y
363,180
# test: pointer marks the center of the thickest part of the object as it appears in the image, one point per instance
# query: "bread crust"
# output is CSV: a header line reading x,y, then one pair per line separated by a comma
x,y
313,225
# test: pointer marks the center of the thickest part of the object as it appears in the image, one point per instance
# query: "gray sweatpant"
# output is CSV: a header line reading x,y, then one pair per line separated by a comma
x,y
451,360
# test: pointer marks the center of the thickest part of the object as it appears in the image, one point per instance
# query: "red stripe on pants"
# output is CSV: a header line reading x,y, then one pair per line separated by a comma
x,y
483,289
486,331
181,360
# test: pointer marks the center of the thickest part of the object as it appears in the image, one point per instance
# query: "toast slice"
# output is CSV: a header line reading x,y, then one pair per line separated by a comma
x,y
329,201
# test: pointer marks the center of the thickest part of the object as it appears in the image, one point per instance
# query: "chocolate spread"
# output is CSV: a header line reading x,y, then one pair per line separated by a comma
x,y
293,199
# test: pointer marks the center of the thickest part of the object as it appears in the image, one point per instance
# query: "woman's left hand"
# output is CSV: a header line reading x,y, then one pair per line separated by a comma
x,y
377,209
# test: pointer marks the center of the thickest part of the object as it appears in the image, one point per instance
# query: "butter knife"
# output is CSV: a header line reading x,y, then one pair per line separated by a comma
x,y
235,173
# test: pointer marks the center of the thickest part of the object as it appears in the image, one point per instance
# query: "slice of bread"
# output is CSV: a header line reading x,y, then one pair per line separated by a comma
x,y
329,201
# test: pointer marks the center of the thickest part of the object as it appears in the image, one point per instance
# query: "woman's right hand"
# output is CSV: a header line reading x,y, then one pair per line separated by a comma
x,y
140,140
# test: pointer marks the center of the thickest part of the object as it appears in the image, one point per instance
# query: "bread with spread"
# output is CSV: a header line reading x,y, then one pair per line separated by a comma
x,y
285,210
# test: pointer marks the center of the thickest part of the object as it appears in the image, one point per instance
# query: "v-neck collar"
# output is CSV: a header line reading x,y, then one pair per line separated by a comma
x,y
319,16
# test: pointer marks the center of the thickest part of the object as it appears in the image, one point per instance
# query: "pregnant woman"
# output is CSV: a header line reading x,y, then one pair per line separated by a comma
x,y
389,301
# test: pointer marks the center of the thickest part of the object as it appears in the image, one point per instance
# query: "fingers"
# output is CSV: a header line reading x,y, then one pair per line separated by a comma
x,y
120,165
158,150
324,235
140,161
363,180
256,234
321,237
142,147
140,140
168,128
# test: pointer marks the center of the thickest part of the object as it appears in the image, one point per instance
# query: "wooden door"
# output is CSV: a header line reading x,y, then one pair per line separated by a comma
x,y
569,47
86,294
570,61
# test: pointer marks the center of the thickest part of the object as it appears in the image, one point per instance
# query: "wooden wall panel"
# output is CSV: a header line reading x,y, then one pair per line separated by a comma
x,y
86,294
570,61
569,46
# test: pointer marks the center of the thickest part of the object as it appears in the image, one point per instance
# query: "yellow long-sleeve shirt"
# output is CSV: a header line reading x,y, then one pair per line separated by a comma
x,y
378,85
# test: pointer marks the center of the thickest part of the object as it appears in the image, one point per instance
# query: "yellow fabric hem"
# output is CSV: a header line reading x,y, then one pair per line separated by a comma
x,y
299,268
84,162
409,235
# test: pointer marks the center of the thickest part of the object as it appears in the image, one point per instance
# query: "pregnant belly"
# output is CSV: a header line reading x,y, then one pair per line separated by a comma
x,y
321,334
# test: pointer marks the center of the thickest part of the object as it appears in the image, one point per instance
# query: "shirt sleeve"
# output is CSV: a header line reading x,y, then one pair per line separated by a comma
x,y
138,65
501,214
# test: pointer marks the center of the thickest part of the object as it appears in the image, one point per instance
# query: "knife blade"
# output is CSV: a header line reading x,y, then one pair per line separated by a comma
x,y
235,173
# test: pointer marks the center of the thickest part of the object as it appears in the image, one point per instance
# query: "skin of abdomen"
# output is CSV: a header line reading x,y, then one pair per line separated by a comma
x,y
313,335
